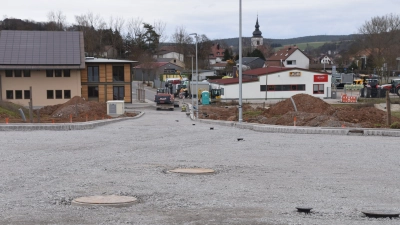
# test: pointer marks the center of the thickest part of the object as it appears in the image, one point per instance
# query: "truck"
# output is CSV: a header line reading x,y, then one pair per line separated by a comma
x,y
393,86
165,100
341,79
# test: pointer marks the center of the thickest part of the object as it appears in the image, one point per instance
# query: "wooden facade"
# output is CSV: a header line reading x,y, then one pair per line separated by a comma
x,y
100,85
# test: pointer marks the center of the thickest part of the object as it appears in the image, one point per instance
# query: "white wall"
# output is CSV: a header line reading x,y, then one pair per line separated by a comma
x,y
251,90
302,61
174,55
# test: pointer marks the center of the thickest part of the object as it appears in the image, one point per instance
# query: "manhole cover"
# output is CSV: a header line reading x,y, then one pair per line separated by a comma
x,y
381,213
105,200
304,209
192,170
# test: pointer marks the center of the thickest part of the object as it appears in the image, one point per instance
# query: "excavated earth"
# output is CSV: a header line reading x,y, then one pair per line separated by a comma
x,y
311,111
78,108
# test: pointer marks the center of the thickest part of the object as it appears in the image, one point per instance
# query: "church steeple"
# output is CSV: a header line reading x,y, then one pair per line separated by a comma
x,y
257,32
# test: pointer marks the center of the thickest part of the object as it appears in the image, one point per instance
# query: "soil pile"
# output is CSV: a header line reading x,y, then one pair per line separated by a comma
x,y
311,111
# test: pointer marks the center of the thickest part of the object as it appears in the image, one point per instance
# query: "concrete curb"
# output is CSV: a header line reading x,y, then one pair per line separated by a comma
x,y
64,126
306,130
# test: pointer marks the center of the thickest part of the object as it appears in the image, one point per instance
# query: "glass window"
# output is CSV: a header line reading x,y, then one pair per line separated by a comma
x,y
49,73
18,94
9,94
27,94
18,73
58,73
58,94
9,73
93,74
93,91
67,94
50,94
118,93
271,88
27,73
67,73
318,89
301,87
118,73
262,88
293,87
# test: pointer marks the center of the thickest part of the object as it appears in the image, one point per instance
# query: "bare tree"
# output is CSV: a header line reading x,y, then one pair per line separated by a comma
x,y
181,39
116,24
58,19
381,37
159,28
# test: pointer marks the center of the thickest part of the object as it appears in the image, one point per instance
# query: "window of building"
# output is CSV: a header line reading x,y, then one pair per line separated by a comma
x,y
27,73
222,91
17,73
288,87
67,73
67,94
93,74
118,73
318,89
49,73
9,73
18,94
58,73
27,94
118,93
258,42
263,87
93,91
291,62
58,94
9,94
50,94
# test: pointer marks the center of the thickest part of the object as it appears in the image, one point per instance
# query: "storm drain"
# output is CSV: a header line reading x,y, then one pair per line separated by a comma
x,y
105,200
381,213
192,171
304,209
356,132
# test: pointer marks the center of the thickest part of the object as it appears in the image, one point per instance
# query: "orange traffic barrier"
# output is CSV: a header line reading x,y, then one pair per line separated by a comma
x,y
52,120
294,121
349,99
6,120
86,117
70,118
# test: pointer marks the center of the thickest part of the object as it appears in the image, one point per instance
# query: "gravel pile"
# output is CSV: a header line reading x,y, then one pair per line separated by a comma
x,y
258,181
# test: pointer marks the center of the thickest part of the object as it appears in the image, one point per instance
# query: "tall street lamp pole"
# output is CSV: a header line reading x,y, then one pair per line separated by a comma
x,y
197,79
240,62
192,80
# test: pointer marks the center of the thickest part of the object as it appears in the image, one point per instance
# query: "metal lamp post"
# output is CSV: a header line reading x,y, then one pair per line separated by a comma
x,y
240,62
197,79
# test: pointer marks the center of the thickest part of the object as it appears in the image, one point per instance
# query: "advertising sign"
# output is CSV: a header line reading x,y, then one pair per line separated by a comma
x,y
321,78
295,74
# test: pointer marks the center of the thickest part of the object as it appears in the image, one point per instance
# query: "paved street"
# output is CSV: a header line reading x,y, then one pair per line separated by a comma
x,y
258,181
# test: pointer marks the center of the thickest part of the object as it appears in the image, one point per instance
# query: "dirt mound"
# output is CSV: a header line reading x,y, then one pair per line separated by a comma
x,y
304,103
78,105
312,112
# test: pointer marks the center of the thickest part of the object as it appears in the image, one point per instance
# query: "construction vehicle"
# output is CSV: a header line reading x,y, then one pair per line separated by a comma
x,y
164,99
341,79
372,89
393,87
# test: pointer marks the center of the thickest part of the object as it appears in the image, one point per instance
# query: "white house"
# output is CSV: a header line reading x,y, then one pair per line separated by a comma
x,y
169,52
289,57
325,60
275,83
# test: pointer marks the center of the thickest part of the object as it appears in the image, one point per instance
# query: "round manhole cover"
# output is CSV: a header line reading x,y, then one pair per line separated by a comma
x,y
105,200
381,213
192,170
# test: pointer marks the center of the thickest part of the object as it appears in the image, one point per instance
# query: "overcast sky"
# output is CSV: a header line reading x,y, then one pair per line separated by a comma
x,y
216,19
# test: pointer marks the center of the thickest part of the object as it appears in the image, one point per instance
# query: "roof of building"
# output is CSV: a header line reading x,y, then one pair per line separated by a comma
x,y
41,49
247,60
266,70
257,32
284,53
228,81
102,60
154,65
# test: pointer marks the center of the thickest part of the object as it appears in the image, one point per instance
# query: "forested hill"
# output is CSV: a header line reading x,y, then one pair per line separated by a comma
x,y
306,39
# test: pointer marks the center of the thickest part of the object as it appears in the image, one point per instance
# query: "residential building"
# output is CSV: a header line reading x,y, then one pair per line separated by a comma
x,y
151,71
253,62
48,62
171,60
216,54
325,60
169,52
107,79
275,83
289,57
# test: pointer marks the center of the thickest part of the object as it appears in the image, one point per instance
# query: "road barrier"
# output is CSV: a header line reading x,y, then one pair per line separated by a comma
x,y
349,99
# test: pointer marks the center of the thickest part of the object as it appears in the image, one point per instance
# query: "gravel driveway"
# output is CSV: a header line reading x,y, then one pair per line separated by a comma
x,y
258,181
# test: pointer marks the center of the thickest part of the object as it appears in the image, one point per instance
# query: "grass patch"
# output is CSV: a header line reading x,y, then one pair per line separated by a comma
x,y
396,114
11,110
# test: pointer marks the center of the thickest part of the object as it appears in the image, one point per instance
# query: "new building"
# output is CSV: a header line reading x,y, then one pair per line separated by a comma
x,y
49,62
275,83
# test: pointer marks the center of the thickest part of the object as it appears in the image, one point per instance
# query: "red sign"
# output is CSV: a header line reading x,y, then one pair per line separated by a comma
x,y
321,78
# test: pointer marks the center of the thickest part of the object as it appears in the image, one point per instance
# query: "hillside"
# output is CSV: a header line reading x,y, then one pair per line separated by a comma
x,y
307,39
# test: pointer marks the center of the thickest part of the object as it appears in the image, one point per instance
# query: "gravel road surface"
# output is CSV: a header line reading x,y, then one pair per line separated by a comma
x,y
258,181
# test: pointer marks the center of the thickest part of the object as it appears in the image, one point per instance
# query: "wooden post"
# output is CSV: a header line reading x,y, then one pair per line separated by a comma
x,y
389,119
38,115
30,105
294,120
76,108
70,118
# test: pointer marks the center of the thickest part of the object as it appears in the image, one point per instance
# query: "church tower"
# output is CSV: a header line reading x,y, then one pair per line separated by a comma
x,y
257,38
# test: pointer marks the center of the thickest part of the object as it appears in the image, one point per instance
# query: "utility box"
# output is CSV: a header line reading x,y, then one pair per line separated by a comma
x,y
205,98
333,94
115,108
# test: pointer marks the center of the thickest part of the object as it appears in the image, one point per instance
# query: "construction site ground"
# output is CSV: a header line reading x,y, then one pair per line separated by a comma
x,y
76,109
311,111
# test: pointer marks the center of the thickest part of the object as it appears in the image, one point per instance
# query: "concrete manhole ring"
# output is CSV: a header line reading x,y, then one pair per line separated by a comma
x,y
105,200
192,171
